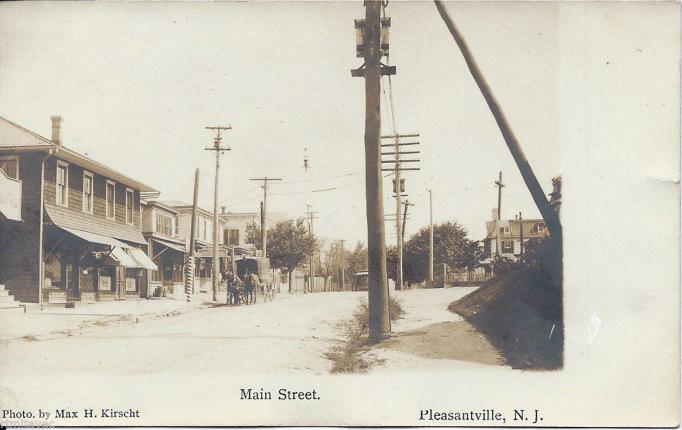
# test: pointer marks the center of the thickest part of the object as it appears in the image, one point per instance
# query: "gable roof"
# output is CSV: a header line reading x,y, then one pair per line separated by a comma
x,y
14,137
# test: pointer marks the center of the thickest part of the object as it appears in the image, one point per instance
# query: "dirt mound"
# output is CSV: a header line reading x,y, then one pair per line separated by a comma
x,y
521,315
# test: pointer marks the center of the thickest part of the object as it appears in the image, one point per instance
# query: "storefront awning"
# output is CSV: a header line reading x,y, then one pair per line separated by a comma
x,y
176,246
132,258
142,259
96,238
123,258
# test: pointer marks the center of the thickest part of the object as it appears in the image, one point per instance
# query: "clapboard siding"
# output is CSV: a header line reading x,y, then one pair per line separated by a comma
x,y
75,199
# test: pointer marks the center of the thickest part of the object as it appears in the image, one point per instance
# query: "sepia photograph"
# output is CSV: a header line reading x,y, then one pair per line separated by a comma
x,y
340,213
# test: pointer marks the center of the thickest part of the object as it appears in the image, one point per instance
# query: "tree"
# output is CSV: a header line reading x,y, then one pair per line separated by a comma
x,y
330,260
289,244
253,234
356,260
450,246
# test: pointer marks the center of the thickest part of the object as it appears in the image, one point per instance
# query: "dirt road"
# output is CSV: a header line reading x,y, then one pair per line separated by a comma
x,y
205,356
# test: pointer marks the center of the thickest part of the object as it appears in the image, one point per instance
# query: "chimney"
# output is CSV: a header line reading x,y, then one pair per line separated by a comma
x,y
222,208
56,130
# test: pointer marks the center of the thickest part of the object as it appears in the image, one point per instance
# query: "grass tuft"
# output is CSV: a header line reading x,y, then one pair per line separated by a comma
x,y
350,353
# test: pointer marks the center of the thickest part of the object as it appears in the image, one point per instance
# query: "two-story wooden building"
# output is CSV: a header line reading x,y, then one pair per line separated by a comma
x,y
204,241
508,238
166,248
78,235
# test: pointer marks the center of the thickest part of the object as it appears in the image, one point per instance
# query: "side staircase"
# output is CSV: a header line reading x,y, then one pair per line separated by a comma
x,y
7,301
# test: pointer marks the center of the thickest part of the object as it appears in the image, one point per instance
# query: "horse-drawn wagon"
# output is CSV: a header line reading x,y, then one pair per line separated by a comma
x,y
254,278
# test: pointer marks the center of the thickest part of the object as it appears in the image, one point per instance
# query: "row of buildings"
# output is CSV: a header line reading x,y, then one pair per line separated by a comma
x,y
74,229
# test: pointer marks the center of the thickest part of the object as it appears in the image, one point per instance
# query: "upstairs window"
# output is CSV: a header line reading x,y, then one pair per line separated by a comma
x,y
231,237
62,196
10,165
111,199
507,246
88,192
130,204
164,224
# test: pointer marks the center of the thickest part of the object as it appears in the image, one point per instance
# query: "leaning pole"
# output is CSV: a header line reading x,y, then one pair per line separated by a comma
x,y
550,217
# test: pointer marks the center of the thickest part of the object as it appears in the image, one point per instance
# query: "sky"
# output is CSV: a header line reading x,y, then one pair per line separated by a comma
x,y
136,83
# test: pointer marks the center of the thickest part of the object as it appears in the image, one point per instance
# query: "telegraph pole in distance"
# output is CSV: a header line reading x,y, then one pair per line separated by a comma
x,y
399,189
311,268
263,227
343,265
499,186
521,234
406,203
430,235
218,151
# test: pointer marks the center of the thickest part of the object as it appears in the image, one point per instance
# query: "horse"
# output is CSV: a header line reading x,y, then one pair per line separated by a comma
x,y
251,286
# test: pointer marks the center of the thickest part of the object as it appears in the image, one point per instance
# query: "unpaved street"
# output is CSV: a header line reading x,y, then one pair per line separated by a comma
x,y
206,350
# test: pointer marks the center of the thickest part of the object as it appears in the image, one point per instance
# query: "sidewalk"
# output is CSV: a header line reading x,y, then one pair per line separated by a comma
x,y
55,321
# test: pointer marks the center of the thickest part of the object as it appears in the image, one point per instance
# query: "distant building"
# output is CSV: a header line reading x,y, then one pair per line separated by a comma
x,y
504,236
235,224
204,240
167,249
70,228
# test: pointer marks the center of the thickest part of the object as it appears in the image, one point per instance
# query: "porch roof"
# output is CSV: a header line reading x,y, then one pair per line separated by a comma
x,y
65,218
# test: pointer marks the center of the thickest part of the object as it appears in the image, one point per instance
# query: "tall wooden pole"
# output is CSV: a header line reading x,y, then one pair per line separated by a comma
x,y
548,214
264,213
218,151
430,236
193,233
521,235
499,186
216,262
376,238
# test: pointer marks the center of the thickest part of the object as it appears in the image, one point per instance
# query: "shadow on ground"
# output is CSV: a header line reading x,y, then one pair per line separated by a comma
x,y
452,340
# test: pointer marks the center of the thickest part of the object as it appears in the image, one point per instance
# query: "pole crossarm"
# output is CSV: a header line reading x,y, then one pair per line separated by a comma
x,y
400,153
399,136
400,144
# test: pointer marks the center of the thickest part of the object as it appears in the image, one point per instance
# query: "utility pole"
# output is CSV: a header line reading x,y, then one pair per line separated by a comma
x,y
372,49
499,186
406,203
430,235
218,152
550,217
521,234
399,188
189,269
311,266
263,226
343,265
